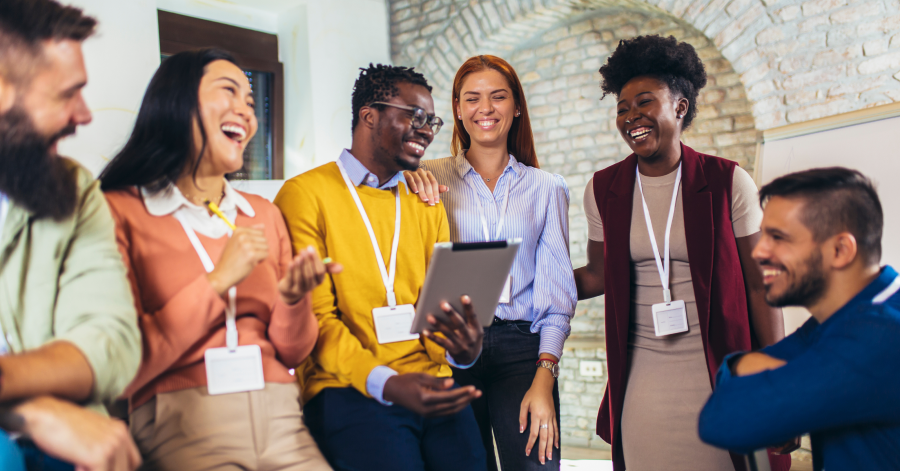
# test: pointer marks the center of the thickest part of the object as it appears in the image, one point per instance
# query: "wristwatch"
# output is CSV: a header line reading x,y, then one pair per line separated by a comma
x,y
549,365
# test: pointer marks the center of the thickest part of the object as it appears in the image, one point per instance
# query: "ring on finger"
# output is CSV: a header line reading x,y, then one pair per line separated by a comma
x,y
544,426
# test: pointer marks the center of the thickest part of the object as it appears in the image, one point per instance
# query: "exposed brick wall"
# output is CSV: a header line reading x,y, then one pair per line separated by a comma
x,y
798,60
771,63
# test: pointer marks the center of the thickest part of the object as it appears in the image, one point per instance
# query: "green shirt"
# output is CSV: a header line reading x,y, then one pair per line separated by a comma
x,y
65,280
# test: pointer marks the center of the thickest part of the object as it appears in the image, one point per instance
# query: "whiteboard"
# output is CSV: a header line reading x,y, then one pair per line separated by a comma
x,y
872,148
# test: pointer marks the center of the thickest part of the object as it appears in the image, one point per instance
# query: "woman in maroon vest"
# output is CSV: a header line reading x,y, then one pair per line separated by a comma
x,y
672,253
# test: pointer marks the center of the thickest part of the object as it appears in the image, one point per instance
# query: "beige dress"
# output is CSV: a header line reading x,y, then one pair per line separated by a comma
x,y
668,382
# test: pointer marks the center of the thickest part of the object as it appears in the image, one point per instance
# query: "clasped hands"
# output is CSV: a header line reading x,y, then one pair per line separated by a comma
x,y
247,247
426,395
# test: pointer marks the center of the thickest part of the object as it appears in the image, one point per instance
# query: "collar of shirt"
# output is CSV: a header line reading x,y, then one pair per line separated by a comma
x,y
360,175
865,299
170,200
464,167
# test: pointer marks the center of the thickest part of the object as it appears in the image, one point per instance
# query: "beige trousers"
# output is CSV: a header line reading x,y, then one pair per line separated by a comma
x,y
259,430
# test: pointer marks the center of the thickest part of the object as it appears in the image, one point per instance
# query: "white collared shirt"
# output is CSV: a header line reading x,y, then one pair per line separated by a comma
x,y
170,200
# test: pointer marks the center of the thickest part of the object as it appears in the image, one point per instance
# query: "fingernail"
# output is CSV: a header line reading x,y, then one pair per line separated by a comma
x,y
522,428
425,332
431,204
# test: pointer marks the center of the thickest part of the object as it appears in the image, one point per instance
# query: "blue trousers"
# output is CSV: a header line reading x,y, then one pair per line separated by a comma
x,y
24,455
355,432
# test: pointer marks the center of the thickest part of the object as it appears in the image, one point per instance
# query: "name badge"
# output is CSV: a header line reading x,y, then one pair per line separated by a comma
x,y
235,371
393,323
508,288
670,318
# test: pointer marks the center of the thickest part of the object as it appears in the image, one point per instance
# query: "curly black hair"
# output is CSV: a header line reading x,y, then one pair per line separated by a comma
x,y
674,63
378,83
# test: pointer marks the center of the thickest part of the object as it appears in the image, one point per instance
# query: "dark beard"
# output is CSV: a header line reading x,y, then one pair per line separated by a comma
x,y
32,177
807,290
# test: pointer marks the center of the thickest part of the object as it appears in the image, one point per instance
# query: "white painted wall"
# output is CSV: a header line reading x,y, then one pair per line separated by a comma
x,y
121,58
322,45
872,149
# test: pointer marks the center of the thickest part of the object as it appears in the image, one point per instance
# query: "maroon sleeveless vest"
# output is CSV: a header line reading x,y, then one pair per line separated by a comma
x,y
716,275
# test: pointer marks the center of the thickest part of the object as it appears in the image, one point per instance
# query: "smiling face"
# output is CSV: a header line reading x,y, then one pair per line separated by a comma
x,y
789,255
53,98
226,109
486,107
647,117
397,145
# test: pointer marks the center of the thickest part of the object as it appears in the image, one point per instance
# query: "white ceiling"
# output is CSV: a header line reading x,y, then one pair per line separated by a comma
x,y
273,6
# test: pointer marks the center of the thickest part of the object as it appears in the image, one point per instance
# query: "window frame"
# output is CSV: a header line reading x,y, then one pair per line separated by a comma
x,y
254,50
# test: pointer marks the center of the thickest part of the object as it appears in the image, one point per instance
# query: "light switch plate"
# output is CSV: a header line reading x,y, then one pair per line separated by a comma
x,y
591,368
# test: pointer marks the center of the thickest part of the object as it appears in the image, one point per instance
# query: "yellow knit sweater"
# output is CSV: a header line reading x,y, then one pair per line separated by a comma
x,y
320,211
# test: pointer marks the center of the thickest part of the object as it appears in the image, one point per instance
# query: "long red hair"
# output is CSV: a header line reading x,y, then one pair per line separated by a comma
x,y
520,142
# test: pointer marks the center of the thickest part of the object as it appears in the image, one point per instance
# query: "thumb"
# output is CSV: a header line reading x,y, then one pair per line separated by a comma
x,y
443,188
334,268
440,383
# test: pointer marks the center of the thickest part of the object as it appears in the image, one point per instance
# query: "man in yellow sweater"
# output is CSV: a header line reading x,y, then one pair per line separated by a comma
x,y
375,397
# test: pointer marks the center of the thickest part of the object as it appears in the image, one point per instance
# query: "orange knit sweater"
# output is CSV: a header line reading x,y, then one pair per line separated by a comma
x,y
180,314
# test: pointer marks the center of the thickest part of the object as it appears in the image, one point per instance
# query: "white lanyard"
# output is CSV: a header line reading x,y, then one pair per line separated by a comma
x,y
663,269
231,330
503,215
387,277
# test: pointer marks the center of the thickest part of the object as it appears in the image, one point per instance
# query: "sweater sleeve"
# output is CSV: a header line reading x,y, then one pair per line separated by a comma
x,y
848,376
94,310
171,331
293,328
337,350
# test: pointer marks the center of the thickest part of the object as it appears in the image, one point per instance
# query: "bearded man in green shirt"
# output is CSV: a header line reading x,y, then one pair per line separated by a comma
x,y
70,341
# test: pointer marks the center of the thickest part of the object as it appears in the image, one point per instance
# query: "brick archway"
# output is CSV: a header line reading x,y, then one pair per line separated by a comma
x,y
797,60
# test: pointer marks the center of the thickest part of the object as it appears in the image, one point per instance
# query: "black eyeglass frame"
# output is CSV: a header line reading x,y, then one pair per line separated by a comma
x,y
433,121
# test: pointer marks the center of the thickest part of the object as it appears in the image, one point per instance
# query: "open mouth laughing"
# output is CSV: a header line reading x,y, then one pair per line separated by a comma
x,y
486,124
235,132
639,134
415,148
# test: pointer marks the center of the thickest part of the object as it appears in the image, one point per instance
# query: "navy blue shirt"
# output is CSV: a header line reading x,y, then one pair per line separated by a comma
x,y
840,383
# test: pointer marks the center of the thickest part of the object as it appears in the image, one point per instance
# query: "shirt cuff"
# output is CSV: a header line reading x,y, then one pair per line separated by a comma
x,y
375,383
551,342
450,360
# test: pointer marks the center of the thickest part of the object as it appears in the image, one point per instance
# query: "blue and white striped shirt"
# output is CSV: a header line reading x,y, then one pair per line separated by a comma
x,y
543,289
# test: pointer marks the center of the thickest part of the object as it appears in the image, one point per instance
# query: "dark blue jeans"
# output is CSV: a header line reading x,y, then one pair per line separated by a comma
x,y
504,373
355,432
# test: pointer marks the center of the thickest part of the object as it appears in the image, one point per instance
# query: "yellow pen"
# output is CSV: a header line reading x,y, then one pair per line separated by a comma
x,y
216,211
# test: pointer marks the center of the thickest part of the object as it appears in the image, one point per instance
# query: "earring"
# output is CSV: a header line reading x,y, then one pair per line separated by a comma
x,y
679,116
517,113
460,117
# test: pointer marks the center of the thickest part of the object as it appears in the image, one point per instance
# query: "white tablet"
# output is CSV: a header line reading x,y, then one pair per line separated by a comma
x,y
479,270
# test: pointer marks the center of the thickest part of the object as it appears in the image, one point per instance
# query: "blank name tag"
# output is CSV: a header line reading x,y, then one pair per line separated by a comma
x,y
240,370
670,318
508,287
393,323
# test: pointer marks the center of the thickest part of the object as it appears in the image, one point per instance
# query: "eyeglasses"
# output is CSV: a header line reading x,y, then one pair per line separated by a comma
x,y
420,117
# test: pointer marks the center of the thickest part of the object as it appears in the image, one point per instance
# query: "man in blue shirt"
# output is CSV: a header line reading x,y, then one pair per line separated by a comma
x,y
837,376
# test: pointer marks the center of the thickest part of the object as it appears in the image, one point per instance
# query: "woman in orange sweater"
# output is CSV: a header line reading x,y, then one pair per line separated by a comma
x,y
215,387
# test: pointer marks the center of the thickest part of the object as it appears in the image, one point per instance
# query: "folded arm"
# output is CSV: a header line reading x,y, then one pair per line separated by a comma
x,y
846,378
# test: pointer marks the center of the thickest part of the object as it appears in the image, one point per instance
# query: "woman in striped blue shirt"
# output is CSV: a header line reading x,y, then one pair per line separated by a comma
x,y
495,191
